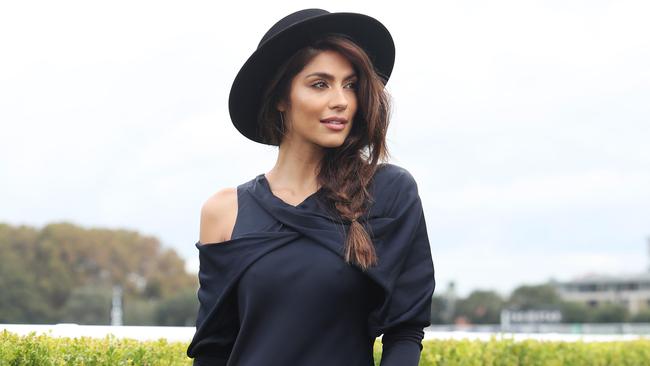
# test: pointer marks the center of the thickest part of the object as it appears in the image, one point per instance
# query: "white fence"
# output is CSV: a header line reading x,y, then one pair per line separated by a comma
x,y
185,334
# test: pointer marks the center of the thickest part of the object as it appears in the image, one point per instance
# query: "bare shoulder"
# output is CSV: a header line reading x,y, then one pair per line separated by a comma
x,y
218,215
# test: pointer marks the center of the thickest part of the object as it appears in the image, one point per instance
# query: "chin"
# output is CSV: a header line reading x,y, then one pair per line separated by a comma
x,y
331,143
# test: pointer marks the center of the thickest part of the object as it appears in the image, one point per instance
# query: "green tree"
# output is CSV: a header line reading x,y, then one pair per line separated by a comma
x,y
438,304
179,310
642,316
139,311
574,312
88,305
481,307
533,297
45,273
21,300
609,313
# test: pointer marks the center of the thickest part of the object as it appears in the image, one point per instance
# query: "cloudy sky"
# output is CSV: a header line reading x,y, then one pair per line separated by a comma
x,y
525,123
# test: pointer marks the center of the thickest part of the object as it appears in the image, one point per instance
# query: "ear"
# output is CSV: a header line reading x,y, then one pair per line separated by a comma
x,y
281,106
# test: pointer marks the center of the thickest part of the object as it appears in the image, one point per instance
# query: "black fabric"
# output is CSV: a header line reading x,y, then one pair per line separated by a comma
x,y
279,292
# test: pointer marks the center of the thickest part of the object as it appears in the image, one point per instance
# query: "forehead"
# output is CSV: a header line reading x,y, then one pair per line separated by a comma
x,y
329,61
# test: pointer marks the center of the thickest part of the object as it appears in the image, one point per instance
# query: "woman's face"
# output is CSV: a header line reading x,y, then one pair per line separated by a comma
x,y
325,88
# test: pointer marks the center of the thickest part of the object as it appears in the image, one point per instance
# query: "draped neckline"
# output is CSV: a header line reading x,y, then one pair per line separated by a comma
x,y
268,193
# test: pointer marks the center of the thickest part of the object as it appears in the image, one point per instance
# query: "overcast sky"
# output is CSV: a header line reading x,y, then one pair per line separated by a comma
x,y
525,123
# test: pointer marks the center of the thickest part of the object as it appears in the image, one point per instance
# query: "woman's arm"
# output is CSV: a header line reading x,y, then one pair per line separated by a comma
x,y
409,309
402,345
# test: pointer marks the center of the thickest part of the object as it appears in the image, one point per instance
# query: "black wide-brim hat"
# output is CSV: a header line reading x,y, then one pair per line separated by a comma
x,y
287,36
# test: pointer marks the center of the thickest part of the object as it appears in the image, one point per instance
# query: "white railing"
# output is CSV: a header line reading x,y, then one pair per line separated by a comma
x,y
185,334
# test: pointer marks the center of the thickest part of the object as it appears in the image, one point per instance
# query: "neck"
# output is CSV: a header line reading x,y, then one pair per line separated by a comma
x,y
296,167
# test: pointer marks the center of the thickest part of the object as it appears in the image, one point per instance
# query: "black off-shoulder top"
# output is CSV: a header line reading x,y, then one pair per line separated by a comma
x,y
279,292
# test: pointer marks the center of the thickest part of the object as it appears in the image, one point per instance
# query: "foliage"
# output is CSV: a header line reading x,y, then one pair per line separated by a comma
x,y
481,307
484,307
438,307
178,310
66,273
642,316
507,352
575,312
88,305
42,349
609,313
531,297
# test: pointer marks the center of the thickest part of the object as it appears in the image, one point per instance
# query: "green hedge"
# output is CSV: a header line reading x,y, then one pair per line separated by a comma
x,y
42,349
508,352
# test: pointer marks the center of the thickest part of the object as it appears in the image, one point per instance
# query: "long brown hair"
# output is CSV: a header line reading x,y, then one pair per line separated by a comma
x,y
345,171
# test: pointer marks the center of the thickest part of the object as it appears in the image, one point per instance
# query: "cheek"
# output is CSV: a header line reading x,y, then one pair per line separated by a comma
x,y
306,104
352,104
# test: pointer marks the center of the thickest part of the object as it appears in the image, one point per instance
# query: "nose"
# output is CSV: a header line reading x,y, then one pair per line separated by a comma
x,y
338,100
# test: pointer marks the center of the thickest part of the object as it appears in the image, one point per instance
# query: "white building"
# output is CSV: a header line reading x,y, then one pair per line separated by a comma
x,y
631,291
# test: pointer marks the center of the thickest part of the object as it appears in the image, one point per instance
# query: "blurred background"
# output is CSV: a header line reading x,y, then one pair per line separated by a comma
x,y
526,125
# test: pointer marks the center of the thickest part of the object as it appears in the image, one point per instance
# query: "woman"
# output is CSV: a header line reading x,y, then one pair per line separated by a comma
x,y
309,263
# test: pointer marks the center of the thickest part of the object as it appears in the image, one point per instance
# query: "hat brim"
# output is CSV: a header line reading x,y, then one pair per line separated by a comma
x,y
245,97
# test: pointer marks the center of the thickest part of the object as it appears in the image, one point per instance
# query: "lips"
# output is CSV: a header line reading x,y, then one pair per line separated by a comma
x,y
335,123
335,120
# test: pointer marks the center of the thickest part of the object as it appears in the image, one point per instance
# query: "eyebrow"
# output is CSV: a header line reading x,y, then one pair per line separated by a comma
x,y
329,76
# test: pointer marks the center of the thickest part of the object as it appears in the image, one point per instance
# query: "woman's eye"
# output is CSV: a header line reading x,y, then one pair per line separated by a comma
x,y
349,85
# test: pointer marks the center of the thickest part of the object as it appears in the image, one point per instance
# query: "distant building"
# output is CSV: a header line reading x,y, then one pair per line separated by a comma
x,y
631,291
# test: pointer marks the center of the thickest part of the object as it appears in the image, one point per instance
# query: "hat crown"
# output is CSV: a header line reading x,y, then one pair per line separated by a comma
x,y
291,19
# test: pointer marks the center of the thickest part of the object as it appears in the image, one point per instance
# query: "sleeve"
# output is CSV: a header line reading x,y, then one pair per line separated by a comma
x,y
409,301
216,320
